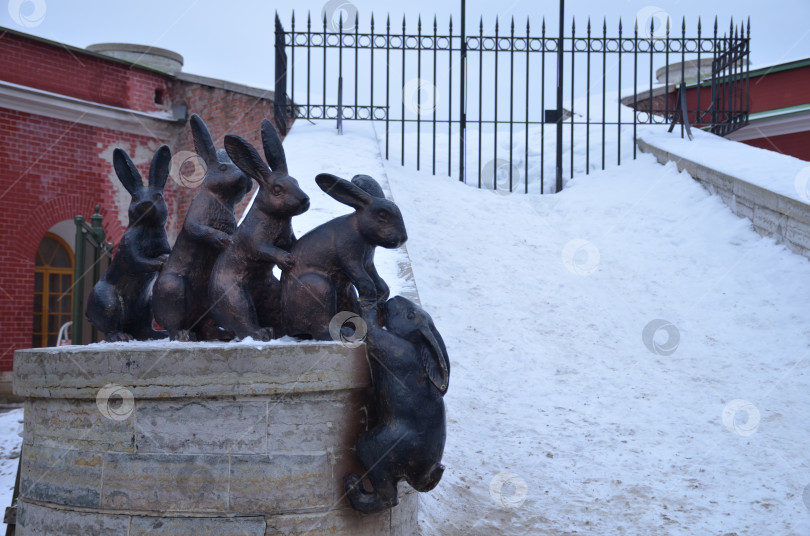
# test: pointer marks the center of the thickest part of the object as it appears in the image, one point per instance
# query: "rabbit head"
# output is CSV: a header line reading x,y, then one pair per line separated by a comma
x,y
279,194
147,206
222,177
407,320
379,220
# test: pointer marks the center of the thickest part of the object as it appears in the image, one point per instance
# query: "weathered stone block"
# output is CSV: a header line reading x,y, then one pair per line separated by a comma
x,y
35,520
198,526
769,222
341,521
165,482
80,424
63,476
202,426
314,423
265,484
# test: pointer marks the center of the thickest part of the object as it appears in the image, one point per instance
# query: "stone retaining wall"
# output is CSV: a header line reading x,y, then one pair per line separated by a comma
x,y
171,439
774,215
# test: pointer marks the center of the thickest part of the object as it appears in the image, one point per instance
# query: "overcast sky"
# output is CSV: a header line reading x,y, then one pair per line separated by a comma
x,y
234,40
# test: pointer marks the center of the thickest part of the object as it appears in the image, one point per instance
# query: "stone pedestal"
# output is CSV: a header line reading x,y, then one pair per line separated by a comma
x,y
177,439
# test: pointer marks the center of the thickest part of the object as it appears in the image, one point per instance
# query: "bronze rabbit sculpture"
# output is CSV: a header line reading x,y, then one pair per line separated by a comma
x,y
410,372
335,258
245,293
181,291
120,305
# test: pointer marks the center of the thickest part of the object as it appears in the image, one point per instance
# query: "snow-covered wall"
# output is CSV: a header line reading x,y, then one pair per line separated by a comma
x,y
761,195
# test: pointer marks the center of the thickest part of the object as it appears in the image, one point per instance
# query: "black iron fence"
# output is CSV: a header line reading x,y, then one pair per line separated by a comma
x,y
488,100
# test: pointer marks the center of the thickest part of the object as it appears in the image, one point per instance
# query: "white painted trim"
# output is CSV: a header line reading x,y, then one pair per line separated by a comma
x,y
159,125
773,126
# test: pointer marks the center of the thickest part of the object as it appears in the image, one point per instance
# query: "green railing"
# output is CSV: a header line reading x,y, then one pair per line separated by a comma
x,y
94,236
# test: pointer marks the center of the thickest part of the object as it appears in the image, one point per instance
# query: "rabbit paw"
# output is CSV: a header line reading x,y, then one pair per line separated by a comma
x,y
263,334
286,261
118,336
224,241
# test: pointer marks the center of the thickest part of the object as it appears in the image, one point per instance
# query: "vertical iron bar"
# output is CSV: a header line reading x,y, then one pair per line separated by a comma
x,y
715,61
280,104
480,91
666,75
604,86
619,107
340,76
292,56
434,89
450,101
635,83
573,46
511,96
748,72
560,59
418,91
462,91
495,142
698,113
371,115
309,54
683,66
323,102
542,104
356,56
588,102
652,50
402,144
526,144
387,81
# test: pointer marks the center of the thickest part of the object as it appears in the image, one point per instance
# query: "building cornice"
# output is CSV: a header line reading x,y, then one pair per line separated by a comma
x,y
159,125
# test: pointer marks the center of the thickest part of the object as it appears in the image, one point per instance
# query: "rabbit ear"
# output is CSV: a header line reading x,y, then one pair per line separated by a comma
x,y
433,358
247,158
159,170
203,143
343,191
273,150
127,172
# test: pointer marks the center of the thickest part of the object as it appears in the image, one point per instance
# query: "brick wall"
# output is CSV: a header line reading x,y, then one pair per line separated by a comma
x,y
30,62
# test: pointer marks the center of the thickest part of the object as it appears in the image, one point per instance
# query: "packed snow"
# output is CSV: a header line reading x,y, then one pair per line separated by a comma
x,y
628,357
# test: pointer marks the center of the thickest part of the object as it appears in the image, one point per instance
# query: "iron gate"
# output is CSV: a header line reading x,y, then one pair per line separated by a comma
x,y
449,87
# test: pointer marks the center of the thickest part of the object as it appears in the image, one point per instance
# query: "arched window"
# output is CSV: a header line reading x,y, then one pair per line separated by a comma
x,y
53,289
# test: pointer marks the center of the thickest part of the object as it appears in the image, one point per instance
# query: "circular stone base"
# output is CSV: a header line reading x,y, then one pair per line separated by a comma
x,y
205,438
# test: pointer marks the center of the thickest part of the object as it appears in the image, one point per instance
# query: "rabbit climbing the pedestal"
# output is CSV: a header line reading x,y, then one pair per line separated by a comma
x,y
410,372
120,305
245,294
181,291
334,259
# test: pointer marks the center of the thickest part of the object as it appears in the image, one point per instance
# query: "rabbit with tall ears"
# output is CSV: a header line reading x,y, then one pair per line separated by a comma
x,y
334,259
181,290
245,295
410,371
120,305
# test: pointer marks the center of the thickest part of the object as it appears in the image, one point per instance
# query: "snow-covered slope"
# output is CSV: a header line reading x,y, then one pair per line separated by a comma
x,y
564,408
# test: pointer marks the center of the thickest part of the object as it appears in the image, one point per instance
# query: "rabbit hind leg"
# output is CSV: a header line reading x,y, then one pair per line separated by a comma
x,y
104,312
308,305
428,480
170,302
383,497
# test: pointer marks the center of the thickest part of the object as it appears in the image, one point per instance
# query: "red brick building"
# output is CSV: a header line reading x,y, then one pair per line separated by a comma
x,y
778,100
63,110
